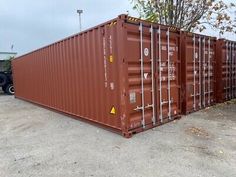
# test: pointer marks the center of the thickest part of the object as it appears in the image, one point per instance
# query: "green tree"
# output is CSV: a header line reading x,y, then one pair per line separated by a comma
x,y
189,15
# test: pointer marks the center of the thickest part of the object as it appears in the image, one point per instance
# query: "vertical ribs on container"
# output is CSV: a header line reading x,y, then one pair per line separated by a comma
x,y
198,72
226,70
123,74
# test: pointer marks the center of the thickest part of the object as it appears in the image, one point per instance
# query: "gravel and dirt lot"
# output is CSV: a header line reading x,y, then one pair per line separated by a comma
x,y
40,143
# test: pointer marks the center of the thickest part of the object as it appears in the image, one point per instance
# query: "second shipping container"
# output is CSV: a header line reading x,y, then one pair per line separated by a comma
x,y
226,70
198,61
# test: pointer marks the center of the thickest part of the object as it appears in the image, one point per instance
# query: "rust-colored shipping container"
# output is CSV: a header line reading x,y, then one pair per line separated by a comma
x,y
226,70
123,74
198,72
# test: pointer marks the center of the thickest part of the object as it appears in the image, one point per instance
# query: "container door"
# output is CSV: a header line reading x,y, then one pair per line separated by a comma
x,y
208,72
230,70
141,73
153,70
167,72
225,73
196,72
234,69
193,73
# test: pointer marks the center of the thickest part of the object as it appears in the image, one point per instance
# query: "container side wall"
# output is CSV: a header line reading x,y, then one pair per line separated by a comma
x,y
124,74
77,76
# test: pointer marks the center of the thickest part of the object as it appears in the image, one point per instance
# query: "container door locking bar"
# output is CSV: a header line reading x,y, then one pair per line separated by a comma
x,y
234,58
226,72
231,70
200,75
169,81
142,72
152,70
194,73
160,74
209,71
234,69
229,64
204,72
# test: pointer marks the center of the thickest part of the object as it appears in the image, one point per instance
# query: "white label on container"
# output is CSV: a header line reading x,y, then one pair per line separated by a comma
x,y
145,75
112,85
132,97
146,52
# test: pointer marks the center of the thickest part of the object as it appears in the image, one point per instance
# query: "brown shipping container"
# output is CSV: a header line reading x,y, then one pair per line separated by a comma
x,y
198,72
123,75
226,70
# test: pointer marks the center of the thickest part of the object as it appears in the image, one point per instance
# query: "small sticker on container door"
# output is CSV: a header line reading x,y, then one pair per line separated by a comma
x,y
145,75
196,55
112,85
132,97
146,52
111,59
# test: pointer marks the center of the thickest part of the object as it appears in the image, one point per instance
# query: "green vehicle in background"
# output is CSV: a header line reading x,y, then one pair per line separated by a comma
x,y
6,80
6,83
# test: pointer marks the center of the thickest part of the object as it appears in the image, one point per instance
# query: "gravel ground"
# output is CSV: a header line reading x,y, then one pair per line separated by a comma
x,y
40,143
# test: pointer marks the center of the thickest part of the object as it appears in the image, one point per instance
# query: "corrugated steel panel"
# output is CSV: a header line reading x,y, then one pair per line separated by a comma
x,y
123,74
198,72
226,70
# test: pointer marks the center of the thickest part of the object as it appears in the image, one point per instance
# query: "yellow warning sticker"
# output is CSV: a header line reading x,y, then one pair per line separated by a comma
x,y
111,59
113,110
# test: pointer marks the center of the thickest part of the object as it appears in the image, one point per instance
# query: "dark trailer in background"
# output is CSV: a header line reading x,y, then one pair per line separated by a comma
x,y
6,82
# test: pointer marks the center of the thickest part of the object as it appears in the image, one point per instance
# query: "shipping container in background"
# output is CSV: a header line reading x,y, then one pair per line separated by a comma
x,y
198,72
123,74
226,70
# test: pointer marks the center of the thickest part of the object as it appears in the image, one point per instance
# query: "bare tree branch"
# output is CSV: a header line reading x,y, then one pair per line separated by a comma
x,y
188,14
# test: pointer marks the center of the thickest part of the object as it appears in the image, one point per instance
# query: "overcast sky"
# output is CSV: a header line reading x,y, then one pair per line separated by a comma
x,y
30,24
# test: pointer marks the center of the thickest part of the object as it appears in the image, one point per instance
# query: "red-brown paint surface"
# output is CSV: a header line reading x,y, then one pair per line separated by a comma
x,y
226,70
96,75
198,72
